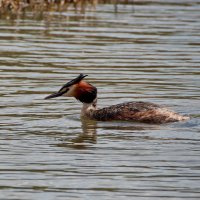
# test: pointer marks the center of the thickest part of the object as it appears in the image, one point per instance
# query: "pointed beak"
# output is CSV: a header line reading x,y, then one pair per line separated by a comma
x,y
65,88
56,94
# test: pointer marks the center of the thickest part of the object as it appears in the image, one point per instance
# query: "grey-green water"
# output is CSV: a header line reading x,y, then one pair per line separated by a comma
x,y
146,52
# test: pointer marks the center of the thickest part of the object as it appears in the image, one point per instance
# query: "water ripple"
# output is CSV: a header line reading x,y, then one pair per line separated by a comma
x,y
148,51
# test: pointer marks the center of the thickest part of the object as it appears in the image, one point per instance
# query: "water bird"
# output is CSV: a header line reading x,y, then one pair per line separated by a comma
x,y
137,111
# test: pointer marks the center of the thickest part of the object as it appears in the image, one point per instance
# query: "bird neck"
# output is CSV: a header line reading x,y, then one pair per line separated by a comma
x,y
89,108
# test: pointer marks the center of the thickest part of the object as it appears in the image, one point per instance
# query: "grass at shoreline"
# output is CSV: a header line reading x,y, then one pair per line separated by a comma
x,y
45,5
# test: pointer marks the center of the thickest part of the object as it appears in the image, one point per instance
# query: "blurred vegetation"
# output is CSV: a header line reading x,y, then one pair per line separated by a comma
x,y
15,6
45,5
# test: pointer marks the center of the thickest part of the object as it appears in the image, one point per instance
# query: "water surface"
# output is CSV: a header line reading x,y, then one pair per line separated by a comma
x,y
150,52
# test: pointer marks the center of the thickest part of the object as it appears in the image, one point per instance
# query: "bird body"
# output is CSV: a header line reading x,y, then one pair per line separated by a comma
x,y
131,111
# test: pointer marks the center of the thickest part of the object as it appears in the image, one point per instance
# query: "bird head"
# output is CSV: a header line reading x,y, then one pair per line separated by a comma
x,y
78,88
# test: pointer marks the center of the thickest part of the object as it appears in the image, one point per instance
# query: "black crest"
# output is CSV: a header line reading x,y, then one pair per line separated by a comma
x,y
74,81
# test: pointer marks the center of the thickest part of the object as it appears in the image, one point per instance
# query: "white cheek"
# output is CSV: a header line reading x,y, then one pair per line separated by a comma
x,y
70,92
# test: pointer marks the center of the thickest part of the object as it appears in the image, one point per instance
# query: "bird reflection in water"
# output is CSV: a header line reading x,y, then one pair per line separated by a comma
x,y
85,139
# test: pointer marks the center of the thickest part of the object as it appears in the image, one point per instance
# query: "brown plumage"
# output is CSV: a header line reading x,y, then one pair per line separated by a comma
x,y
137,111
132,111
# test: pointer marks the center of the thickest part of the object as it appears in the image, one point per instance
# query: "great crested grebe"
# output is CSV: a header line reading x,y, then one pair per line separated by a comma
x,y
130,111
